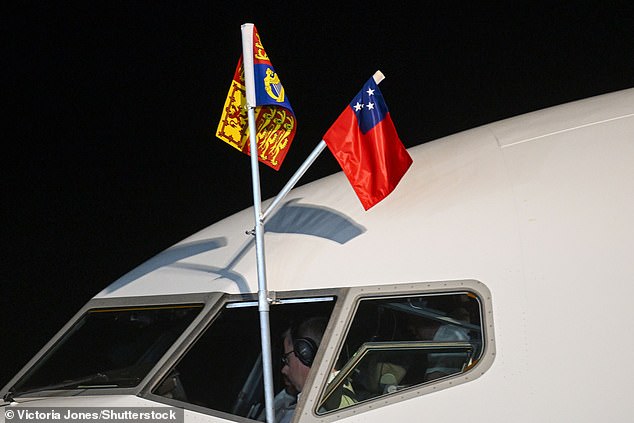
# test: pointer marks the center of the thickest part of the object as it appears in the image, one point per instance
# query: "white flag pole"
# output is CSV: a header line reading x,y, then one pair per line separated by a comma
x,y
295,178
263,303
378,77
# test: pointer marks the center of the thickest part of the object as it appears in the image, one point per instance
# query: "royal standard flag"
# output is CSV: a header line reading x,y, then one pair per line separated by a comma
x,y
275,120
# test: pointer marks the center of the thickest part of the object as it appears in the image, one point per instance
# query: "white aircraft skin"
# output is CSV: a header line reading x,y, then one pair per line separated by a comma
x,y
538,209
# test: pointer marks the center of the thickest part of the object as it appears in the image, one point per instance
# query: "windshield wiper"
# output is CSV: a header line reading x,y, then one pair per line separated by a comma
x,y
92,381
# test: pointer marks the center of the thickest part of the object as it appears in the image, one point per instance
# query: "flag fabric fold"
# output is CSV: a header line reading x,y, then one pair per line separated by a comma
x,y
275,120
364,141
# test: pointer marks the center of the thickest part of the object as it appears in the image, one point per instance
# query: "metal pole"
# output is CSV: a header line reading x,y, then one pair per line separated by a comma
x,y
296,177
263,303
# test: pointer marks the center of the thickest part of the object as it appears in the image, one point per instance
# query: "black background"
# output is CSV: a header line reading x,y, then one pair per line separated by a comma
x,y
110,110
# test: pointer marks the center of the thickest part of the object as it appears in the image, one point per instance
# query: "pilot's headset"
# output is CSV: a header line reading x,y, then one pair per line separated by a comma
x,y
305,347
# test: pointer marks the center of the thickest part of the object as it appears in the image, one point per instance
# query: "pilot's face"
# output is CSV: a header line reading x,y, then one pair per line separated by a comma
x,y
294,370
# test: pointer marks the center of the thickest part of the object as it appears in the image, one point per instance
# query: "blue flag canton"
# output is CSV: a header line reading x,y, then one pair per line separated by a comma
x,y
368,106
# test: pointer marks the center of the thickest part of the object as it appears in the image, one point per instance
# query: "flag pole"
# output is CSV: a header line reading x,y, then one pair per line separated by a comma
x,y
378,77
294,179
263,303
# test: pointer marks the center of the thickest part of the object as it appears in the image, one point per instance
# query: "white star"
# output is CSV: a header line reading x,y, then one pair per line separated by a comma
x,y
370,106
358,106
370,91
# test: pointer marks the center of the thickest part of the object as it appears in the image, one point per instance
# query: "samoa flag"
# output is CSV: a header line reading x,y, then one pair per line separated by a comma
x,y
364,141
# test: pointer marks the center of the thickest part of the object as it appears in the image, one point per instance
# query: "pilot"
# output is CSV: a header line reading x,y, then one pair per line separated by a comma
x,y
441,364
283,404
285,401
300,347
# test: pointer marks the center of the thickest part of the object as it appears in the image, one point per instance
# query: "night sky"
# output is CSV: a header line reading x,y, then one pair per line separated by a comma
x,y
110,111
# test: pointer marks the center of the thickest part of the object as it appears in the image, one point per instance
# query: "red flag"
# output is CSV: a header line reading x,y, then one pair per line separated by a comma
x,y
364,141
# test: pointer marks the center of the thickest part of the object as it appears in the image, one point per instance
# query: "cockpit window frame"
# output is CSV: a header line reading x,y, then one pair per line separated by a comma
x,y
229,301
346,303
317,382
95,304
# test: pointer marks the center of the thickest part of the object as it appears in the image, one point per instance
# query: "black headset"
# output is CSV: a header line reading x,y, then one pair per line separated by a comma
x,y
305,350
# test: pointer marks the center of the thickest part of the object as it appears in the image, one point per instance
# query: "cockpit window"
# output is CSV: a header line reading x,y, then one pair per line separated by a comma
x,y
401,342
222,370
109,348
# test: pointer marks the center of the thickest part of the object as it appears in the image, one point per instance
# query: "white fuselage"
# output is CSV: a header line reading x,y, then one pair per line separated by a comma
x,y
537,208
